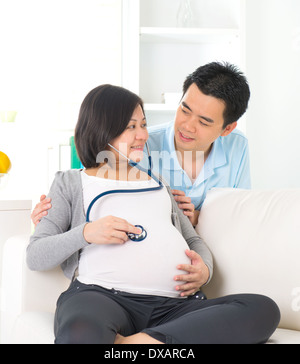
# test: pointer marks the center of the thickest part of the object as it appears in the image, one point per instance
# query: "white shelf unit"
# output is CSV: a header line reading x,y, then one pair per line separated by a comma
x,y
158,55
188,35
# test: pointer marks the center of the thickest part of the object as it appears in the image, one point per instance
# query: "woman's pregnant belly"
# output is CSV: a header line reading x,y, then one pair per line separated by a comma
x,y
146,267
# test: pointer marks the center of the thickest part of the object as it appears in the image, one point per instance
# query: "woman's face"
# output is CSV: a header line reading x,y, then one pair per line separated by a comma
x,y
132,141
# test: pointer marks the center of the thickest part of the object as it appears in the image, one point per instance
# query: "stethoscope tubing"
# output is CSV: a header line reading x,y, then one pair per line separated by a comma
x,y
119,191
150,189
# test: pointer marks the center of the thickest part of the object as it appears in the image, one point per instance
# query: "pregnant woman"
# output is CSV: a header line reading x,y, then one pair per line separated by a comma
x,y
133,258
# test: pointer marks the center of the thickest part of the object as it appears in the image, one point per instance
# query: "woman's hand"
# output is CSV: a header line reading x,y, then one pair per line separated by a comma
x,y
40,209
185,204
109,230
197,275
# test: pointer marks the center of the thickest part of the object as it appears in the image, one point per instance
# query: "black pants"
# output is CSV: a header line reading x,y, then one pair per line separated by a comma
x,y
91,314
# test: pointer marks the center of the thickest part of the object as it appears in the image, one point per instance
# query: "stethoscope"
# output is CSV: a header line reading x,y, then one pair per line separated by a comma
x,y
134,237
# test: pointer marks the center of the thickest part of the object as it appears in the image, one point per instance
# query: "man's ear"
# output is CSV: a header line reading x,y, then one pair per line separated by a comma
x,y
229,129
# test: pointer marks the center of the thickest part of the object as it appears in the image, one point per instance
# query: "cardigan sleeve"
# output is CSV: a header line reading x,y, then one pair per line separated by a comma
x,y
54,241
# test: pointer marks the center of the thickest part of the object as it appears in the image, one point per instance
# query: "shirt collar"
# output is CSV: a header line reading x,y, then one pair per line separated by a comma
x,y
169,148
217,157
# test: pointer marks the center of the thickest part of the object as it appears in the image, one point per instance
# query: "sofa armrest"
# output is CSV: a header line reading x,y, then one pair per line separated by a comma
x,y
14,252
23,290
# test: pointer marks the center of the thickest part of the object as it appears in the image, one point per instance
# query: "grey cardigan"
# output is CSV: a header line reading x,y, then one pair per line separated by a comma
x,y
58,238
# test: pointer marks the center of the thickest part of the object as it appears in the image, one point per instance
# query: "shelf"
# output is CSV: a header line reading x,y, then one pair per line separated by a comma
x,y
188,35
8,205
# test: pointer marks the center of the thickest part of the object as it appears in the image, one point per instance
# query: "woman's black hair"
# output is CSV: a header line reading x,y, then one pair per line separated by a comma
x,y
104,115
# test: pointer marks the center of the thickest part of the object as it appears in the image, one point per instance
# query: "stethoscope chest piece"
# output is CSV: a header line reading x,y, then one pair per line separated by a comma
x,y
138,237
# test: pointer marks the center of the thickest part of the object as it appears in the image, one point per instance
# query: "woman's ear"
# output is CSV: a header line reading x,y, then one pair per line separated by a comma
x,y
229,129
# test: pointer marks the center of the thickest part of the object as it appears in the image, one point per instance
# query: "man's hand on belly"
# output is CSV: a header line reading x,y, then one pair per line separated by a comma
x,y
197,274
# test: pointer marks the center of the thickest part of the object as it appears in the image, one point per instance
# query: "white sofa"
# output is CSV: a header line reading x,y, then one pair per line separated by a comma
x,y
255,240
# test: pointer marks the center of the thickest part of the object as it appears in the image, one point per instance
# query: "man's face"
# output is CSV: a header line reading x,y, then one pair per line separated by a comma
x,y
199,121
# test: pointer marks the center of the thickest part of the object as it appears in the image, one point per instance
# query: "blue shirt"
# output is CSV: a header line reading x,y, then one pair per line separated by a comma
x,y
227,165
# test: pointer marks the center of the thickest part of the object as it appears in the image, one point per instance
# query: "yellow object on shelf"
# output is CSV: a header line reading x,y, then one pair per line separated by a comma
x,y
8,116
5,163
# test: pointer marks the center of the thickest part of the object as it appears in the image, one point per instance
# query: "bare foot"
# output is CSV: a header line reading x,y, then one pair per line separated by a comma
x,y
139,338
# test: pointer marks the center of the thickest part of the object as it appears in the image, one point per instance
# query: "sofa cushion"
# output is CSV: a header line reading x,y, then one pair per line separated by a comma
x,y
282,336
33,328
254,237
37,328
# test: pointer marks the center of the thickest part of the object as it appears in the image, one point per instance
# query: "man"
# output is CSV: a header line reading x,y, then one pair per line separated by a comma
x,y
201,149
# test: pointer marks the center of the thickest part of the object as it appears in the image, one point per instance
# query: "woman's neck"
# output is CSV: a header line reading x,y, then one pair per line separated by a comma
x,y
118,173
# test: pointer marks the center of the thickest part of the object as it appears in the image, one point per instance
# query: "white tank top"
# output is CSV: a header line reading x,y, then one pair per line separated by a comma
x,y
146,267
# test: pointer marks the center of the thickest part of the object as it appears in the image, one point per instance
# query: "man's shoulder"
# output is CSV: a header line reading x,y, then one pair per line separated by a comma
x,y
159,129
238,134
236,139
157,135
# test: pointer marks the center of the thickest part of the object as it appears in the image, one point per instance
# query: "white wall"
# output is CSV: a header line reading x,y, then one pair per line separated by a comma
x,y
273,69
52,53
